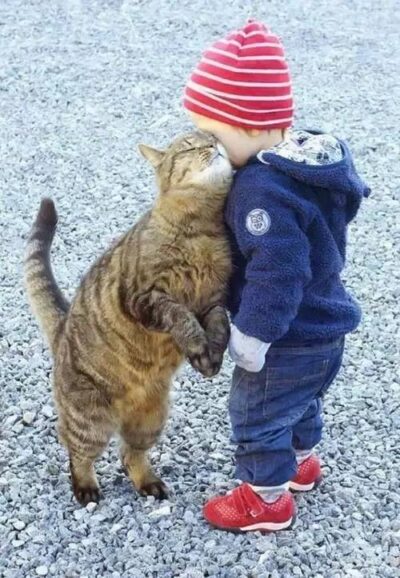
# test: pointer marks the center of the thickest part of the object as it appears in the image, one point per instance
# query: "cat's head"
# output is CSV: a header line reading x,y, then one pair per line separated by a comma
x,y
193,161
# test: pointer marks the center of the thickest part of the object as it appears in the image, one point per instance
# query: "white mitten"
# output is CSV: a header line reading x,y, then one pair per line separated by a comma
x,y
247,352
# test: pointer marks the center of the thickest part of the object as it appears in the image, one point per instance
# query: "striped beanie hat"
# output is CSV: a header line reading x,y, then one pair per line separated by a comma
x,y
243,80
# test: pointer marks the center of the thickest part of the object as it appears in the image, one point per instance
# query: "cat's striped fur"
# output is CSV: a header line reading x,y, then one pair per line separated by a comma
x,y
148,302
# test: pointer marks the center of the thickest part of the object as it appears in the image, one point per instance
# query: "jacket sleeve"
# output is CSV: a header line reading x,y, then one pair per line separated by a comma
x,y
278,265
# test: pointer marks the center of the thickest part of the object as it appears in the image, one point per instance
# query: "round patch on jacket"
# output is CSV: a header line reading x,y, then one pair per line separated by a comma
x,y
258,222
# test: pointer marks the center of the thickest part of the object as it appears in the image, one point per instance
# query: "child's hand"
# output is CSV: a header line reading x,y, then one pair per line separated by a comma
x,y
247,352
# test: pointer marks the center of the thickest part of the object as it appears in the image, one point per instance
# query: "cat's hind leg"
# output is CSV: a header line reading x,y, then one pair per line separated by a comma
x,y
139,435
84,480
85,430
140,472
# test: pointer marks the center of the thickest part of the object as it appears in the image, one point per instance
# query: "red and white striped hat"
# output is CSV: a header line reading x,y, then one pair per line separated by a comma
x,y
243,80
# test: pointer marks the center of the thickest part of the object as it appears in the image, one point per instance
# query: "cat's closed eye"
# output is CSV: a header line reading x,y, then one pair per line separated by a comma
x,y
185,151
201,148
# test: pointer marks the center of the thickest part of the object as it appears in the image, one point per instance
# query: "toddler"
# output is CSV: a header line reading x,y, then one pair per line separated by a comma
x,y
294,194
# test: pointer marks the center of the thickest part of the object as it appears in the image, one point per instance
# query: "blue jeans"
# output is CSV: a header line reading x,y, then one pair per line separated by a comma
x,y
278,410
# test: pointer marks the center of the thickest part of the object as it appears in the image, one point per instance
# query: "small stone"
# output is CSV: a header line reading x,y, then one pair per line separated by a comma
x,y
78,514
91,506
357,516
218,456
265,545
18,428
47,411
381,474
42,570
27,419
115,528
354,573
52,469
264,557
188,517
347,483
19,525
210,545
11,420
164,511
98,518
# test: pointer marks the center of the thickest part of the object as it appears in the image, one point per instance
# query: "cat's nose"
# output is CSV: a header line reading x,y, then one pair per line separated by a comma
x,y
222,150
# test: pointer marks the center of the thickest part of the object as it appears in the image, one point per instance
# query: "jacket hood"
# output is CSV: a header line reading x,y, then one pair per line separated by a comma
x,y
322,161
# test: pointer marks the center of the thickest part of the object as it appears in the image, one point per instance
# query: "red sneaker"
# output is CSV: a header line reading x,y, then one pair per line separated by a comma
x,y
308,475
242,510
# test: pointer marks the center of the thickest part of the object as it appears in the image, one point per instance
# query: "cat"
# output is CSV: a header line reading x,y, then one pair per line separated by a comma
x,y
154,298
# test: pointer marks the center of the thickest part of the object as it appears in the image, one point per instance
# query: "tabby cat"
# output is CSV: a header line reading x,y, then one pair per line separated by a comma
x,y
153,299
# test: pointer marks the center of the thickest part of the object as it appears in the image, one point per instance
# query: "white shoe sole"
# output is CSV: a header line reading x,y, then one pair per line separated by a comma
x,y
302,487
268,526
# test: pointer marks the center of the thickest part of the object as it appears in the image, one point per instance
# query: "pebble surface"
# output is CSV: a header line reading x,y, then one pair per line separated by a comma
x,y
82,82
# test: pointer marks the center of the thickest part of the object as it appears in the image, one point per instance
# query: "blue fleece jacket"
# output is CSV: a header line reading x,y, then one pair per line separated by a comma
x,y
288,215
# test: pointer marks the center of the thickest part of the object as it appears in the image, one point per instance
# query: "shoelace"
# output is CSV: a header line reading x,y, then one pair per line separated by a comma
x,y
246,501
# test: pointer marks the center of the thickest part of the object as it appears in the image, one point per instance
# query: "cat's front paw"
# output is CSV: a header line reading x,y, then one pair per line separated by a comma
x,y
217,356
201,359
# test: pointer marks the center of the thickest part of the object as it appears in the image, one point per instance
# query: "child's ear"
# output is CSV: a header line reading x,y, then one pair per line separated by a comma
x,y
154,156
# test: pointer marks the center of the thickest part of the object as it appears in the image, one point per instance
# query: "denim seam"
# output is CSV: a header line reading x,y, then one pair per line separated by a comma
x,y
322,373
246,407
327,381
247,410
306,350
269,382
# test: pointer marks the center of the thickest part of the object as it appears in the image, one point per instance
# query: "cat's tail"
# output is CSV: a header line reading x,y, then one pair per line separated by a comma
x,y
48,303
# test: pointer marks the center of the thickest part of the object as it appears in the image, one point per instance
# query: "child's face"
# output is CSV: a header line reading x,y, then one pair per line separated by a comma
x,y
239,143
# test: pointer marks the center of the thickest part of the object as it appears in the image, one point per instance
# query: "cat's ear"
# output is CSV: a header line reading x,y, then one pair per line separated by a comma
x,y
154,156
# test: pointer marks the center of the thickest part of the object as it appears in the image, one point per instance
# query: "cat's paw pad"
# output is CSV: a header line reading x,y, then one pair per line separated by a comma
x,y
204,363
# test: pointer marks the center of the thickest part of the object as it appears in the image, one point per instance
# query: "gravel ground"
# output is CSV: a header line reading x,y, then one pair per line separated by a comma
x,y
81,83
